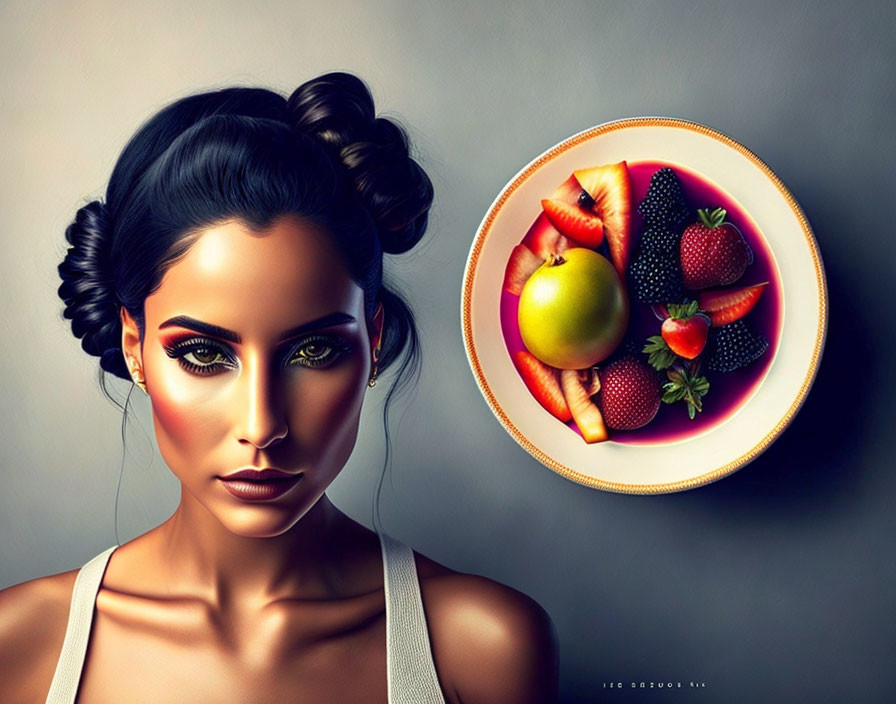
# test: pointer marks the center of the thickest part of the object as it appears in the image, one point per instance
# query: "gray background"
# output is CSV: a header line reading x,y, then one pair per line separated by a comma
x,y
775,584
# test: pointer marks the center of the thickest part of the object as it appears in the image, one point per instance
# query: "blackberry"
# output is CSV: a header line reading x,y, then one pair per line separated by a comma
x,y
664,203
733,346
660,239
656,276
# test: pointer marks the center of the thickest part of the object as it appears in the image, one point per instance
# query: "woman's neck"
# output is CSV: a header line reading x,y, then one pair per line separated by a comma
x,y
310,560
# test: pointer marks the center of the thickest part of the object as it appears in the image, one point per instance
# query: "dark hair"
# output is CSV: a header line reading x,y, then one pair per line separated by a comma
x,y
253,155
248,154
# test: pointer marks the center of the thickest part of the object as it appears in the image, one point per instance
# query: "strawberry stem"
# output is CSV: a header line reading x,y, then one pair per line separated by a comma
x,y
712,218
683,311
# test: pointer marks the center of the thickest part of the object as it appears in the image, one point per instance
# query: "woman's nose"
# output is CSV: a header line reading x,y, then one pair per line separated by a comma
x,y
262,413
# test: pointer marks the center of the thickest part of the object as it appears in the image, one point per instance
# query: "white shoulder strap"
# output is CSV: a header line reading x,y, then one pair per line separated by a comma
x,y
412,677
64,687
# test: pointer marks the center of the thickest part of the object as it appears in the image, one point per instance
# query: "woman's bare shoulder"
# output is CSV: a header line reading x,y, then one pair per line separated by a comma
x,y
33,618
490,642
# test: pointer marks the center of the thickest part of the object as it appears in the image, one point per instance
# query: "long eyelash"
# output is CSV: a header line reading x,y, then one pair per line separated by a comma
x,y
338,347
178,350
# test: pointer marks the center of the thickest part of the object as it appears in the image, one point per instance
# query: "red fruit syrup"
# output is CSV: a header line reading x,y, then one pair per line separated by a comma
x,y
728,391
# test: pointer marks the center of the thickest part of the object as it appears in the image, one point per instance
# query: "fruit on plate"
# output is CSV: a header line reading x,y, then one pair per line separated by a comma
x,y
713,252
660,238
656,277
539,244
544,384
573,221
726,305
659,356
543,239
629,395
577,393
733,346
610,188
685,385
664,205
685,330
573,311
523,261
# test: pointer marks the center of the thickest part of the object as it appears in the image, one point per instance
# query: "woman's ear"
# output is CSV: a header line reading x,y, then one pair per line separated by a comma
x,y
376,333
130,342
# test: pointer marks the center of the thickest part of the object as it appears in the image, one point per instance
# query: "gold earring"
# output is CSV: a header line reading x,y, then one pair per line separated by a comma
x,y
137,376
372,381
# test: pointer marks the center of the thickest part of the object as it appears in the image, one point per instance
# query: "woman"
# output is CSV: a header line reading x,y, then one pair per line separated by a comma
x,y
234,273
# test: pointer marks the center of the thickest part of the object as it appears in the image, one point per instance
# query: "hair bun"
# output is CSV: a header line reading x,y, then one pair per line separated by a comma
x,y
338,110
88,288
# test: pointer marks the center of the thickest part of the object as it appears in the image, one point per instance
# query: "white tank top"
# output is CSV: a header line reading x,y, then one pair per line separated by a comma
x,y
410,671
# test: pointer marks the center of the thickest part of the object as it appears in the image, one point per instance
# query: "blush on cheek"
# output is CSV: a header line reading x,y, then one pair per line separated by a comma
x,y
181,413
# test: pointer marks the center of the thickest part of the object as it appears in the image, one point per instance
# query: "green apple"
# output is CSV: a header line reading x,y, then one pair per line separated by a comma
x,y
573,310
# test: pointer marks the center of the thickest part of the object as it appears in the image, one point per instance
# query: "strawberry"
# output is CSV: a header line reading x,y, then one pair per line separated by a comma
x,y
575,222
727,305
523,262
629,394
685,330
543,382
713,252
611,190
577,394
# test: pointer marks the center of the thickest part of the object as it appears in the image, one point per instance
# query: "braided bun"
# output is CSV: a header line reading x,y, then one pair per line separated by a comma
x,y
88,288
338,110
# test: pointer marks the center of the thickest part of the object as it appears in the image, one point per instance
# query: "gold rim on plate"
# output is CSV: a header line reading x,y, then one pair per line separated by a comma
x,y
489,395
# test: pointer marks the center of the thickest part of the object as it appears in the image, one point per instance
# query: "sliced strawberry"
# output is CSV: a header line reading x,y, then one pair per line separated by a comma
x,y
727,305
542,381
523,262
544,239
586,415
571,220
568,191
611,189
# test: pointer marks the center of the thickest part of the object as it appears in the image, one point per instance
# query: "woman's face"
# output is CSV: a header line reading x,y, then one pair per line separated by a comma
x,y
256,356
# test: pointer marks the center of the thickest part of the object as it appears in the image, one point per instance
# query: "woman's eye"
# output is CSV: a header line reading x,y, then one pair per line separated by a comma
x,y
318,352
199,356
203,356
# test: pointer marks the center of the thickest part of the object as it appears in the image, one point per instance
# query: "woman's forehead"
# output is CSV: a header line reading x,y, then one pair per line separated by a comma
x,y
282,275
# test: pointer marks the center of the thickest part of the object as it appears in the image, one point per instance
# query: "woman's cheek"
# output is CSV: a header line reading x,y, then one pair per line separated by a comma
x,y
330,405
184,414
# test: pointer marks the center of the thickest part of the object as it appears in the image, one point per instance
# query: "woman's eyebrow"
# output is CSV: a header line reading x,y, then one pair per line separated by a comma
x,y
185,321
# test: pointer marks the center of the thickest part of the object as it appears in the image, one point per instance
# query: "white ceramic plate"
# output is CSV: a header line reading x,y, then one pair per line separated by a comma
x,y
674,466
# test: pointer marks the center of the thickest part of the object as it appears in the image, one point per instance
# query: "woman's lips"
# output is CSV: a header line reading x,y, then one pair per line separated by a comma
x,y
259,485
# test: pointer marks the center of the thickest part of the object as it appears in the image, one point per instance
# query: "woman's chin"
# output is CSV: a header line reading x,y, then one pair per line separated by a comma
x,y
249,523
261,519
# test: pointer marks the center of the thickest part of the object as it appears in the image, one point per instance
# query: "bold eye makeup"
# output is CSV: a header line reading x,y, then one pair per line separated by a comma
x,y
204,356
201,355
318,351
